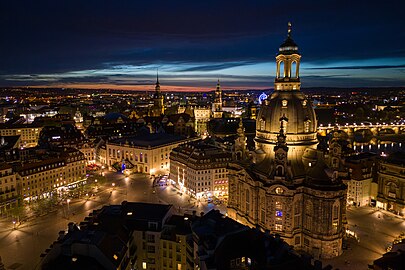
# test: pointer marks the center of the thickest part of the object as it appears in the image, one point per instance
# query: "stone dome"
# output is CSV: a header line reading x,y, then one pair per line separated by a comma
x,y
288,46
301,126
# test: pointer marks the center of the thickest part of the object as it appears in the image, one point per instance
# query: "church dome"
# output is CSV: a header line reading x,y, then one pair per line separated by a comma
x,y
301,120
287,108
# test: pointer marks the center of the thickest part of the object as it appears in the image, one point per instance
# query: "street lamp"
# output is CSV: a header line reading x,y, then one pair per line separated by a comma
x,y
14,224
113,185
68,210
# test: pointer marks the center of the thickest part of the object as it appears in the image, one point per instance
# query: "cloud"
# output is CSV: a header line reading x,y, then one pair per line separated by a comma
x,y
360,67
214,67
48,38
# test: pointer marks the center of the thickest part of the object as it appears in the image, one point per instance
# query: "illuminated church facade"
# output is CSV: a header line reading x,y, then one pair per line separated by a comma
x,y
285,187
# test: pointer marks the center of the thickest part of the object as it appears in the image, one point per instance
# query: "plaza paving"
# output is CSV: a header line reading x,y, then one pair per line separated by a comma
x,y
20,248
375,229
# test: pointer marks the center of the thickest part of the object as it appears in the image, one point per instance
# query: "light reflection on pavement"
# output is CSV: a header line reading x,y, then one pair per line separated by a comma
x,y
20,248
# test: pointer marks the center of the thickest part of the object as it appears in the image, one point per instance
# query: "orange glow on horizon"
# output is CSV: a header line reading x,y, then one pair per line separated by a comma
x,y
149,88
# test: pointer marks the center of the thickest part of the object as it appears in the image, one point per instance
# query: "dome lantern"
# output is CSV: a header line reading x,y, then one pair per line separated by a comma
x,y
288,64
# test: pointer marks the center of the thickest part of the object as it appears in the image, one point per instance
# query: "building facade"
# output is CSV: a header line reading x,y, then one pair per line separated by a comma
x,y
200,169
362,171
202,115
287,188
8,188
44,178
391,183
29,134
147,153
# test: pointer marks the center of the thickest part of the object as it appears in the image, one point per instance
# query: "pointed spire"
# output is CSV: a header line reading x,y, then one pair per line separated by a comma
x,y
157,75
289,29
157,85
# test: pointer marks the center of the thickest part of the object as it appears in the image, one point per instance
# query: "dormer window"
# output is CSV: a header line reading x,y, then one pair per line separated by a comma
x,y
306,125
284,103
262,124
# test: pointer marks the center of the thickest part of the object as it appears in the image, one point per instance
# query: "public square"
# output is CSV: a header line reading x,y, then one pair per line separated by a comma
x,y
20,248
375,230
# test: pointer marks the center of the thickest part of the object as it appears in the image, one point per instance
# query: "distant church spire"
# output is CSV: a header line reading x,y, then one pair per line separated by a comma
x,y
217,105
157,85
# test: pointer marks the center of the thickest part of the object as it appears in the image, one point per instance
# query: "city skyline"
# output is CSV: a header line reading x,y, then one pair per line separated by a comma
x,y
121,45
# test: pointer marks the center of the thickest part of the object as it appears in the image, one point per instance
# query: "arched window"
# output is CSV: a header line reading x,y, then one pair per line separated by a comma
x,y
294,71
280,170
335,216
391,190
262,124
281,72
306,126
279,217
297,214
263,210
309,209
247,201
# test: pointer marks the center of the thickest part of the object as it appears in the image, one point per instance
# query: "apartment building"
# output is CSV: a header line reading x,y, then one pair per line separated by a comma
x,y
41,178
200,169
145,153
8,188
29,133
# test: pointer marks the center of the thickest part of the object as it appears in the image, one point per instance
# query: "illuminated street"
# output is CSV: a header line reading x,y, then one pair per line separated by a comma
x,y
21,248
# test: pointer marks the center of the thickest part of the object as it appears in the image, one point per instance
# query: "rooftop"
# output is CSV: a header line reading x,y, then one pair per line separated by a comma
x,y
150,140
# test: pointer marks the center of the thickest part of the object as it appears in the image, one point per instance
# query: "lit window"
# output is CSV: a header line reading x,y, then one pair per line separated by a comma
x,y
284,102
144,265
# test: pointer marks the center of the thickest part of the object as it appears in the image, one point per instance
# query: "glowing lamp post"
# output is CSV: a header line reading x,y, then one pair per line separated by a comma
x,y
68,210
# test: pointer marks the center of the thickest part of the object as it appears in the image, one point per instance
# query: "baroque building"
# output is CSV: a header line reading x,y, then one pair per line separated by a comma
x,y
200,169
391,183
286,187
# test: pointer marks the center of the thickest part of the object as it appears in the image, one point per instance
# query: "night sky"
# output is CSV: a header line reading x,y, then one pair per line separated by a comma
x,y
193,43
